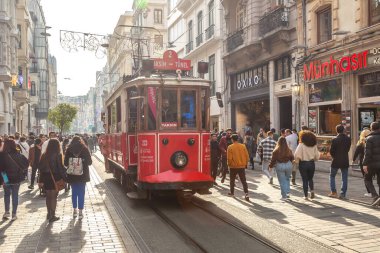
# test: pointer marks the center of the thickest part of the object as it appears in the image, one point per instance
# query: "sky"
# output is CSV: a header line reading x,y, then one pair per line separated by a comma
x,y
77,70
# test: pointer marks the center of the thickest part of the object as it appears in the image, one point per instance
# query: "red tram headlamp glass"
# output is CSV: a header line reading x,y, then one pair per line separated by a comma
x,y
179,160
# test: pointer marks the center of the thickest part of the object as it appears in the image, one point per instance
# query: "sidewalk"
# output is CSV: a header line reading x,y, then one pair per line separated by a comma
x,y
348,226
32,233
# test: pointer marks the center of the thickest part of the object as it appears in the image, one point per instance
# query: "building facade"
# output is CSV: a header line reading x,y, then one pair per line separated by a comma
x,y
341,69
195,31
8,63
259,52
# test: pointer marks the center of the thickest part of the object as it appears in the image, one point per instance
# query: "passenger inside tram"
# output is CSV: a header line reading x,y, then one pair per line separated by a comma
x,y
169,109
188,119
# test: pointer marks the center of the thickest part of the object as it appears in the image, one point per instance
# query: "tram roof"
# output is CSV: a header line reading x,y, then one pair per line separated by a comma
x,y
156,80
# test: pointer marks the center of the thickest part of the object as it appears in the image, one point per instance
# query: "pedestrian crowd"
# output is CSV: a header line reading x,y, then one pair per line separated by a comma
x,y
290,151
54,162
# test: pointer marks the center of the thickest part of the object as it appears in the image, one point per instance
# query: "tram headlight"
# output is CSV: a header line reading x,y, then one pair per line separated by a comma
x,y
179,159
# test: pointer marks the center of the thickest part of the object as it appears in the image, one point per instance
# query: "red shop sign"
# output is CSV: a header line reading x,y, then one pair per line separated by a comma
x,y
317,69
170,61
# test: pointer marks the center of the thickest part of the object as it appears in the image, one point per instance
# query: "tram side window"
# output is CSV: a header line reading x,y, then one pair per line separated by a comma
x,y
108,119
188,109
204,108
152,107
113,118
118,114
169,109
132,115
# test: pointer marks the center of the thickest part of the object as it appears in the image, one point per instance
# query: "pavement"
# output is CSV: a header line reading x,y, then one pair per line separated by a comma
x,y
346,226
96,232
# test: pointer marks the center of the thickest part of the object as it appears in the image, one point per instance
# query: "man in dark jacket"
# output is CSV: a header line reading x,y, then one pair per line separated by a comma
x,y
224,142
340,147
371,161
34,160
215,156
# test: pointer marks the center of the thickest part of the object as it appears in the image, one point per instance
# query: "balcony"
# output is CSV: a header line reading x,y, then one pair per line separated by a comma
x,y
210,32
20,95
235,40
189,47
199,39
274,21
5,73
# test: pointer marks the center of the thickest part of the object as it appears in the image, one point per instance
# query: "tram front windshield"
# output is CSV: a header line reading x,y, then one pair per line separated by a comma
x,y
178,109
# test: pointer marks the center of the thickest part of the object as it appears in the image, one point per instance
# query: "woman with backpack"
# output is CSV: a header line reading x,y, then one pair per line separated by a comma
x,y
77,160
13,166
51,172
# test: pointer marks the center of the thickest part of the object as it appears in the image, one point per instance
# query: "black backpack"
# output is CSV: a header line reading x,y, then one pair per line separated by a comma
x,y
17,168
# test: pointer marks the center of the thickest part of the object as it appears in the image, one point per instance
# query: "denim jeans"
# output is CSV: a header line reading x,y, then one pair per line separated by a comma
x,y
284,171
78,190
11,189
343,189
265,168
307,169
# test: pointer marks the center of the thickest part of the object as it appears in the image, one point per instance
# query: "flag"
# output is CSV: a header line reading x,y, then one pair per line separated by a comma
x,y
29,84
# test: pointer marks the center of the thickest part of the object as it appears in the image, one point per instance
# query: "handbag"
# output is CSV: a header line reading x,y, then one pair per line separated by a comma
x,y
60,184
75,167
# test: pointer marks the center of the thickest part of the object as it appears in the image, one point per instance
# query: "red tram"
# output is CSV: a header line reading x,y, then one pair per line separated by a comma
x,y
158,135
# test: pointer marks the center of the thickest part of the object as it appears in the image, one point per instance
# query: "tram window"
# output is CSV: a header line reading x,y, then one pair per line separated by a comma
x,y
118,114
169,109
152,108
109,119
204,108
113,118
188,109
132,115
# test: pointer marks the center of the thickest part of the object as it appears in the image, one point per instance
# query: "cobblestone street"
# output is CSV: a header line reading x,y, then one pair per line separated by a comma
x,y
32,233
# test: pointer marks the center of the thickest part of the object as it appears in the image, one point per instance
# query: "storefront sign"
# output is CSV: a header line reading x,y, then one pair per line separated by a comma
x,y
317,69
248,83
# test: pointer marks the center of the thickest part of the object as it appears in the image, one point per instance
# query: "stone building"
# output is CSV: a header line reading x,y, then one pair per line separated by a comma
x,y
259,53
8,63
195,32
340,71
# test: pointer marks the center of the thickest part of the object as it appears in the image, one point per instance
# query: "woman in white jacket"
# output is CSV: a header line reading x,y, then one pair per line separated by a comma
x,y
306,154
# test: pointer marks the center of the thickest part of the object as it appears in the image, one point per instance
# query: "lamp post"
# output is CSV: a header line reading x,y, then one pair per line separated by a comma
x,y
297,113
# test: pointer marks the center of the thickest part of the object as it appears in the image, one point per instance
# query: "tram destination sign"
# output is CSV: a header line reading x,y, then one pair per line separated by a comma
x,y
170,61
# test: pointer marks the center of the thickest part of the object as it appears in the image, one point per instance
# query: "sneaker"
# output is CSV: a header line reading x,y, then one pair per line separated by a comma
x,y
283,199
6,215
271,180
215,183
333,195
342,197
306,198
368,195
294,182
288,196
75,213
230,194
53,219
246,197
376,201
31,187
312,195
80,215
14,217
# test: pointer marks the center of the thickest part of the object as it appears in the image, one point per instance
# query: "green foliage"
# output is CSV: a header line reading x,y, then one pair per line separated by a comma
x,y
62,116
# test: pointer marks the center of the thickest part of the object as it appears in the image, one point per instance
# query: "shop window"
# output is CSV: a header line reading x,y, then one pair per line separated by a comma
x,y
282,68
369,85
324,25
329,117
325,91
169,109
374,12
157,16
188,109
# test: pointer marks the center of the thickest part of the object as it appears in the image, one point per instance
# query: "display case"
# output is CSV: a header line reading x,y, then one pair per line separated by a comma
x,y
324,146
